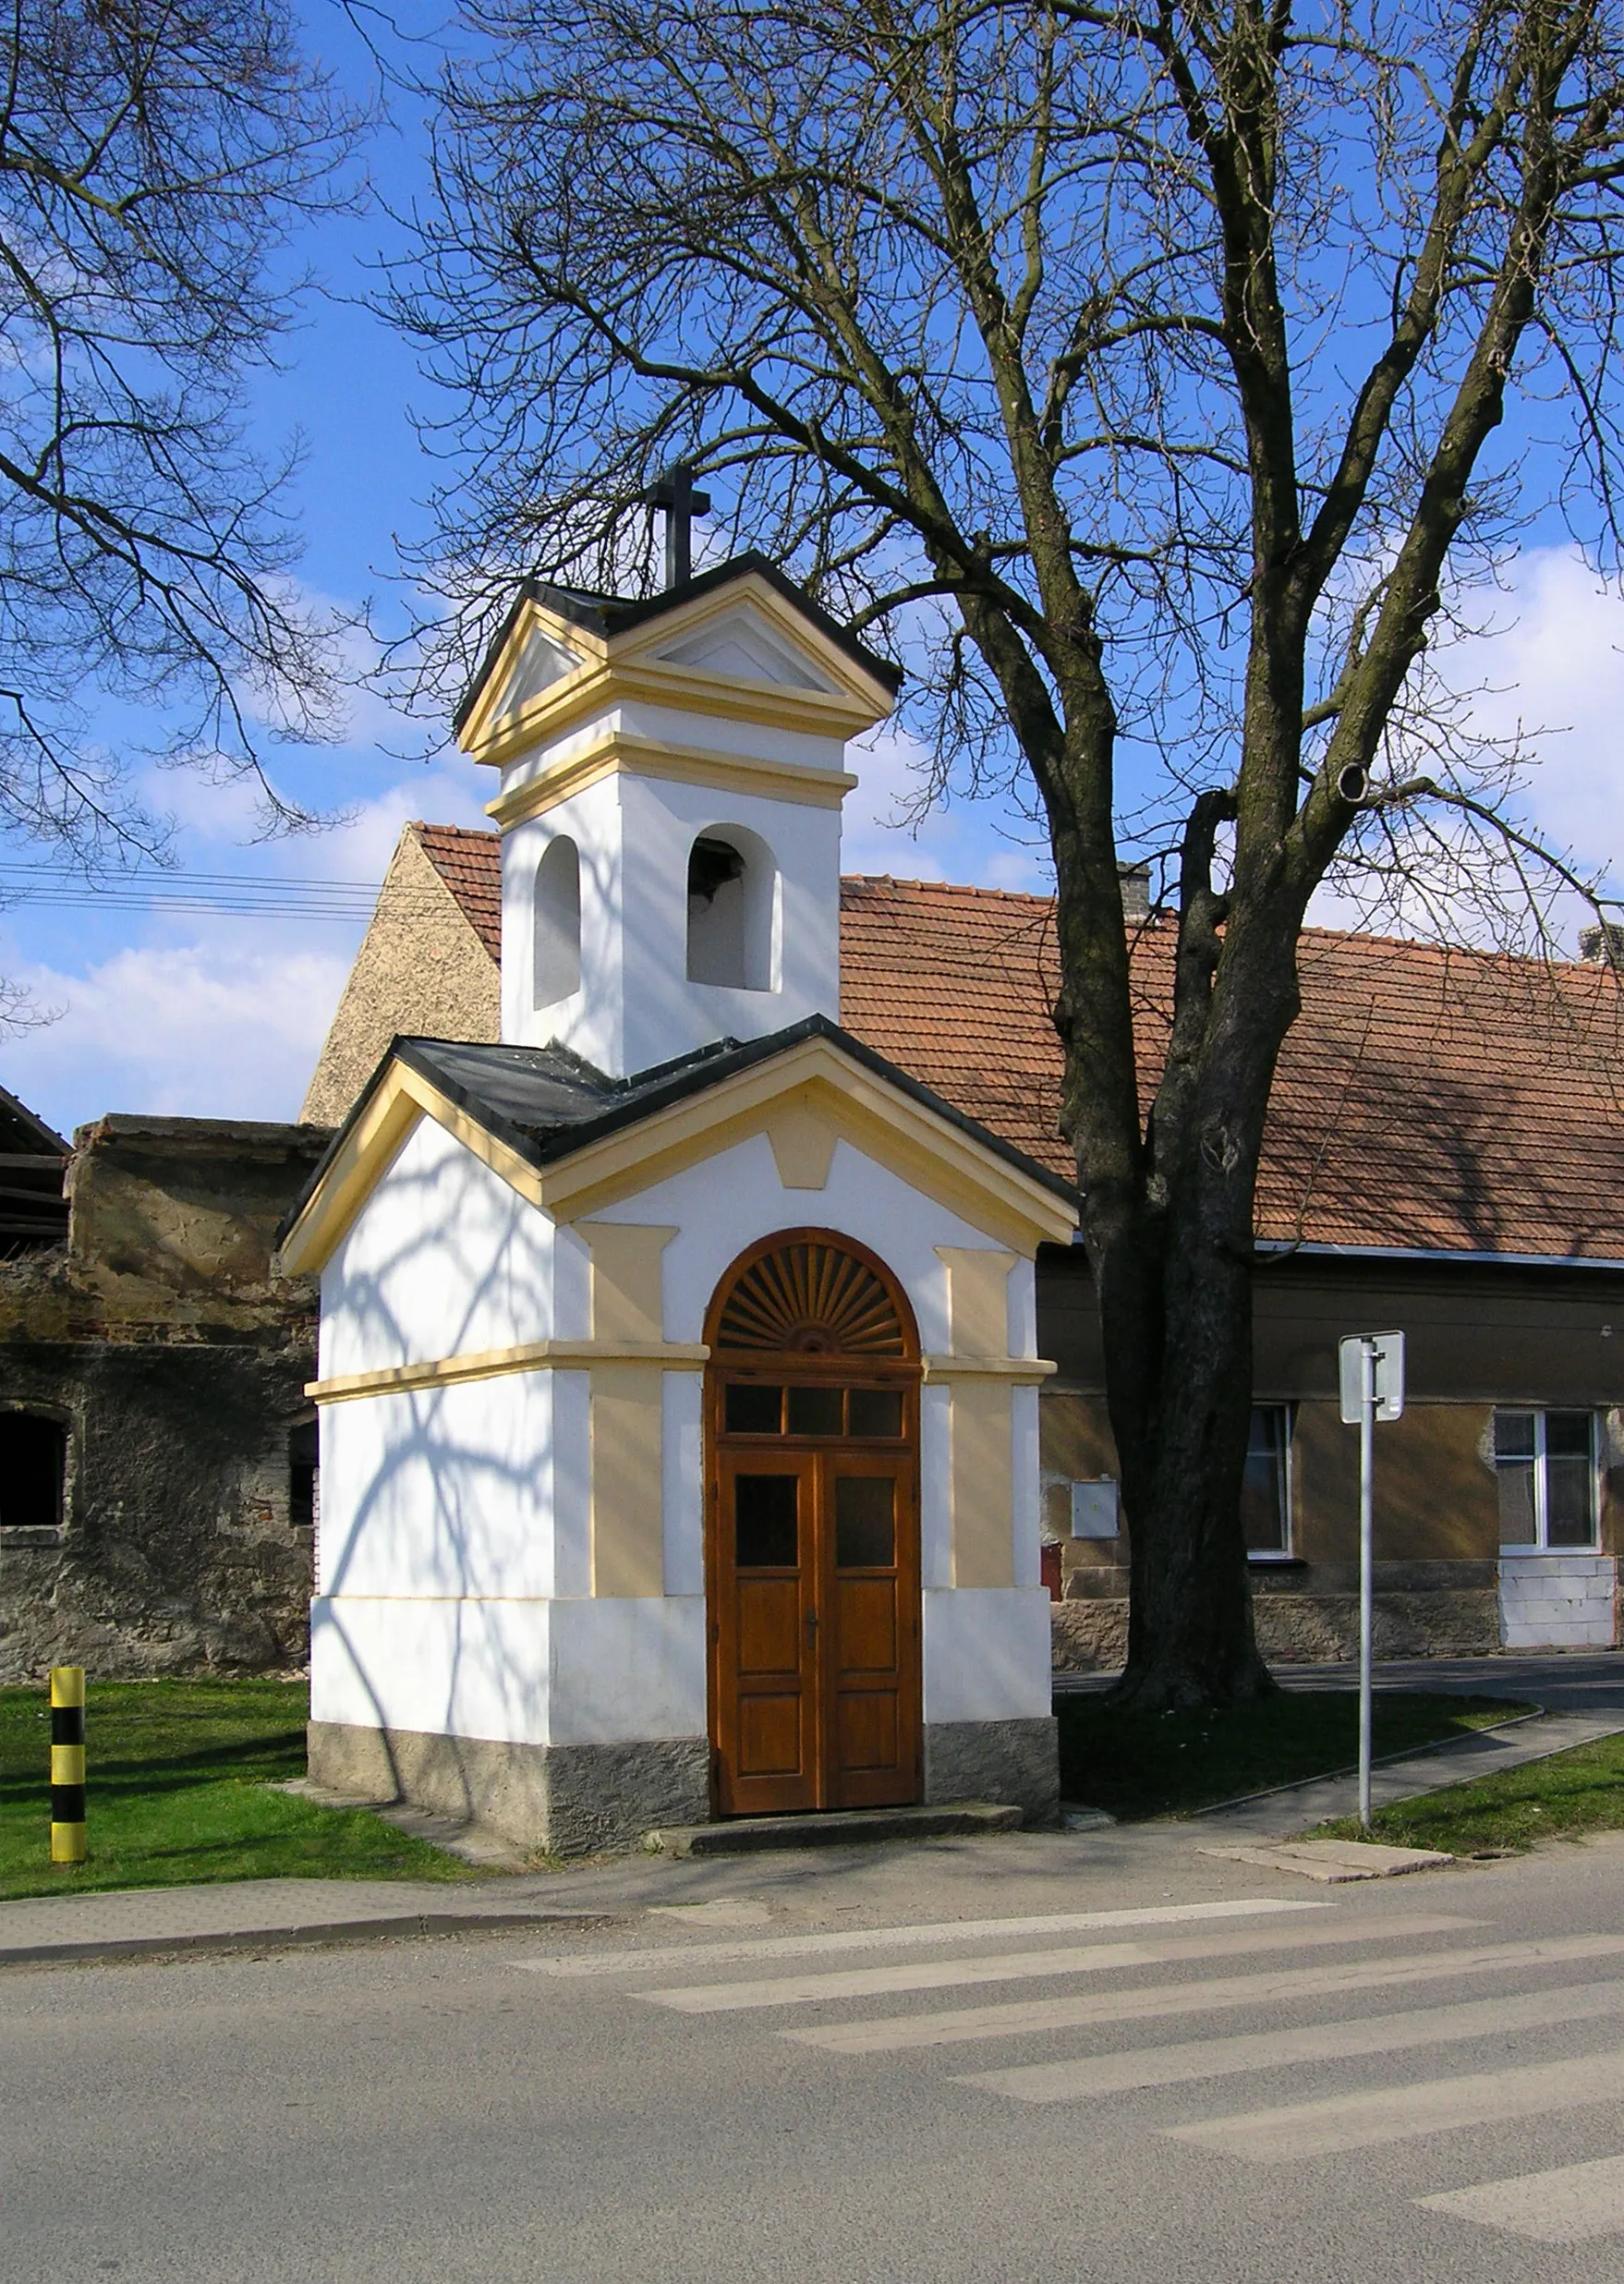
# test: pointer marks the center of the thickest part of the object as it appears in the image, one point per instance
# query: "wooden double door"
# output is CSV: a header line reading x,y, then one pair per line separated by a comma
x,y
814,1578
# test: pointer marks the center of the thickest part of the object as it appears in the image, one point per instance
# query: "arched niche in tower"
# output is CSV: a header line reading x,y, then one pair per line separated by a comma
x,y
733,910
556,923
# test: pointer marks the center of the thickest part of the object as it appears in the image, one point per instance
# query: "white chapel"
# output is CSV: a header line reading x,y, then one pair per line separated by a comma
x,y
678,1372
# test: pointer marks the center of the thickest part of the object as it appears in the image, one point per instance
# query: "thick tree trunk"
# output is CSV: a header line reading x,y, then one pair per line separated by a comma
x,y
1174,1281
1183,1455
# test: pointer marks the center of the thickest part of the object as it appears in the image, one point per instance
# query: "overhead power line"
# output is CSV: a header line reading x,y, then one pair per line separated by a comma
x,y
245,894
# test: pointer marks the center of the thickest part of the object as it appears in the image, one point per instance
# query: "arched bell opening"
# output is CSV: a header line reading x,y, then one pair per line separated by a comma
x,y
812,1539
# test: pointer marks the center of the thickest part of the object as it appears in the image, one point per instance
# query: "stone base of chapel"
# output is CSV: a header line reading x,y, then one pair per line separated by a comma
x,y
582,1799
558,1799
1016,1762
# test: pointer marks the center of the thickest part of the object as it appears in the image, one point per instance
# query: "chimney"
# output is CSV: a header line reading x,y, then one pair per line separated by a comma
x,y
1134,881
1602,947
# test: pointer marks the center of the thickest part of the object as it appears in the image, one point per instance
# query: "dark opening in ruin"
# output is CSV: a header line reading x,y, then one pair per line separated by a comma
x,y
304,1460
33,1467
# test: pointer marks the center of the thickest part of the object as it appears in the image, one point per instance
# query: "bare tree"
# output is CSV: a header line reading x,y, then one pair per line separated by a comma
x,y
155,160
1143,373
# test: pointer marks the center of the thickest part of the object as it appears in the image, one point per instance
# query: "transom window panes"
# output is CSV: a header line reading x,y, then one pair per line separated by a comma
x,y
1265,1510
1544,1463
752,1409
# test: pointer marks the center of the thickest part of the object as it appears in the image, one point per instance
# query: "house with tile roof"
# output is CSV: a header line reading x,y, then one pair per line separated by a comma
x,y
709,1386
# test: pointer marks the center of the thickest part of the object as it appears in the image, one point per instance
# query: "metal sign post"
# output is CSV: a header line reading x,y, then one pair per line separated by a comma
x,y
1372,1375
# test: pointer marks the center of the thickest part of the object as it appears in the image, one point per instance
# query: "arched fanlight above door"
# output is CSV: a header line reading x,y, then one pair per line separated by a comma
x,y
810,1298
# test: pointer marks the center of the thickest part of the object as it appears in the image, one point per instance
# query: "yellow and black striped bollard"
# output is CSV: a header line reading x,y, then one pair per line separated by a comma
x,y
67,1764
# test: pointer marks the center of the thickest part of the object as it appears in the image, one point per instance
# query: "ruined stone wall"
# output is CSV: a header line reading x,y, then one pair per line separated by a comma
x,y
176,1360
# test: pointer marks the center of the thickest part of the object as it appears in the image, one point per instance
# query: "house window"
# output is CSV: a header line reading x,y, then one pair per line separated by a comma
x,y
33,1470
1544,1463
557,924
1265,1488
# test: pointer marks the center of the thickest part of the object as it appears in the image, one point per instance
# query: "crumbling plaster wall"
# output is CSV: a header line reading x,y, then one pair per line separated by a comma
x,y
177,1361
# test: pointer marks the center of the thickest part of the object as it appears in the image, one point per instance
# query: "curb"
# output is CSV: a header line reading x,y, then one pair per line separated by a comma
x,y
1384,1760
412,1924
840,1828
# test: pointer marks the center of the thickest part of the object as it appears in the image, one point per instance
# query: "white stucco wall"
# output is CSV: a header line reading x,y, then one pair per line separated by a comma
x,y
988,1654
515,1672
723,1206
635,1006
442,1259
442,1492
456,1558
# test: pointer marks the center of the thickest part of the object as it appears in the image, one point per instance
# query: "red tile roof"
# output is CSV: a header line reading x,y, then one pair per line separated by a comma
x,y
1425,1099
470,865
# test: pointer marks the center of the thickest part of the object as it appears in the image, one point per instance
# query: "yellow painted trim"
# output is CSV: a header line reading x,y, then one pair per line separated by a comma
x,y
403,1097
626,1279
493,1363
978,1299
616,754
803,1144
981,1476
925,1151
626,1427
628,666
1020,1371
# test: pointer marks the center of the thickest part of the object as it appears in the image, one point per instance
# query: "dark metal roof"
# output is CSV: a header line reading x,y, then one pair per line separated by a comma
x,y
34,1160
545,1103
615,614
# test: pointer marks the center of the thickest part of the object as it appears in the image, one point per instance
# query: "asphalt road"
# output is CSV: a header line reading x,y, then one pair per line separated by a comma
x,y
1245,2092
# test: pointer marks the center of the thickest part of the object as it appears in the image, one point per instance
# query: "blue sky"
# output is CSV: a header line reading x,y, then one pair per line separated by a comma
x,y
219,1014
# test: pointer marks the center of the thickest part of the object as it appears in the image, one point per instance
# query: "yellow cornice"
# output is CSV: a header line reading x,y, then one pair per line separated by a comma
x,y
493,1363
402,1098
927,1151
1028,1371
934,1155
614,753
628,666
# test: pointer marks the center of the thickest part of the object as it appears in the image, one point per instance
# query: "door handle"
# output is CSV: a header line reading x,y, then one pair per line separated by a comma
x,y
812,1623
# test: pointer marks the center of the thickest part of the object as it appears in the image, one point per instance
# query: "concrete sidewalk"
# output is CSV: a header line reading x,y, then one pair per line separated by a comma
x,y
980,1875
1296,1807
239,1914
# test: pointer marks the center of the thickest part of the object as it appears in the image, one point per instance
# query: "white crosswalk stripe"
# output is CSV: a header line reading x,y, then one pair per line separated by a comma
x,y
1394,2113
1566,2205
918,1936
898,2031
1569,2204
786,1990
1093,2076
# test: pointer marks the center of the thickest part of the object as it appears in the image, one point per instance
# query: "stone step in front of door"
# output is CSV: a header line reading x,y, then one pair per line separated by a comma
x,y
836,1828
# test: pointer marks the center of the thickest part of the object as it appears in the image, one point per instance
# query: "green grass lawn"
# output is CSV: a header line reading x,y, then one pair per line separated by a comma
x,y
1172,1764
1561,1798
178,1782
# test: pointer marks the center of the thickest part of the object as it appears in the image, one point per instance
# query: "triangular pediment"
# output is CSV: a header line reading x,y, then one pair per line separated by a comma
x,y
739,643
803,1094
538,662
741,647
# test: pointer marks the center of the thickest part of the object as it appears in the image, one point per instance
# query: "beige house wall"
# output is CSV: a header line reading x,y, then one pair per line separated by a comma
x,y
421,969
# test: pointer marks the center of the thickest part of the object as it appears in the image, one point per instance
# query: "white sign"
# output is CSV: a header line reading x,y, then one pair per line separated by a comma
x,y
1390,1375
1094,1510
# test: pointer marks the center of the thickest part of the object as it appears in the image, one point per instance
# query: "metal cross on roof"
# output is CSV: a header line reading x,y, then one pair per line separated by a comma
x,y
673,495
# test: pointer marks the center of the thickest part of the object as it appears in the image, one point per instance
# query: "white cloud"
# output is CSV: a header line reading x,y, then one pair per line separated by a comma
x,y
221,1030
1553,659
982,842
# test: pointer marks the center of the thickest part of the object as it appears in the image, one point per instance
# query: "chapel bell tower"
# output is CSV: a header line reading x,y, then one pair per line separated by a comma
x,y
671,779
